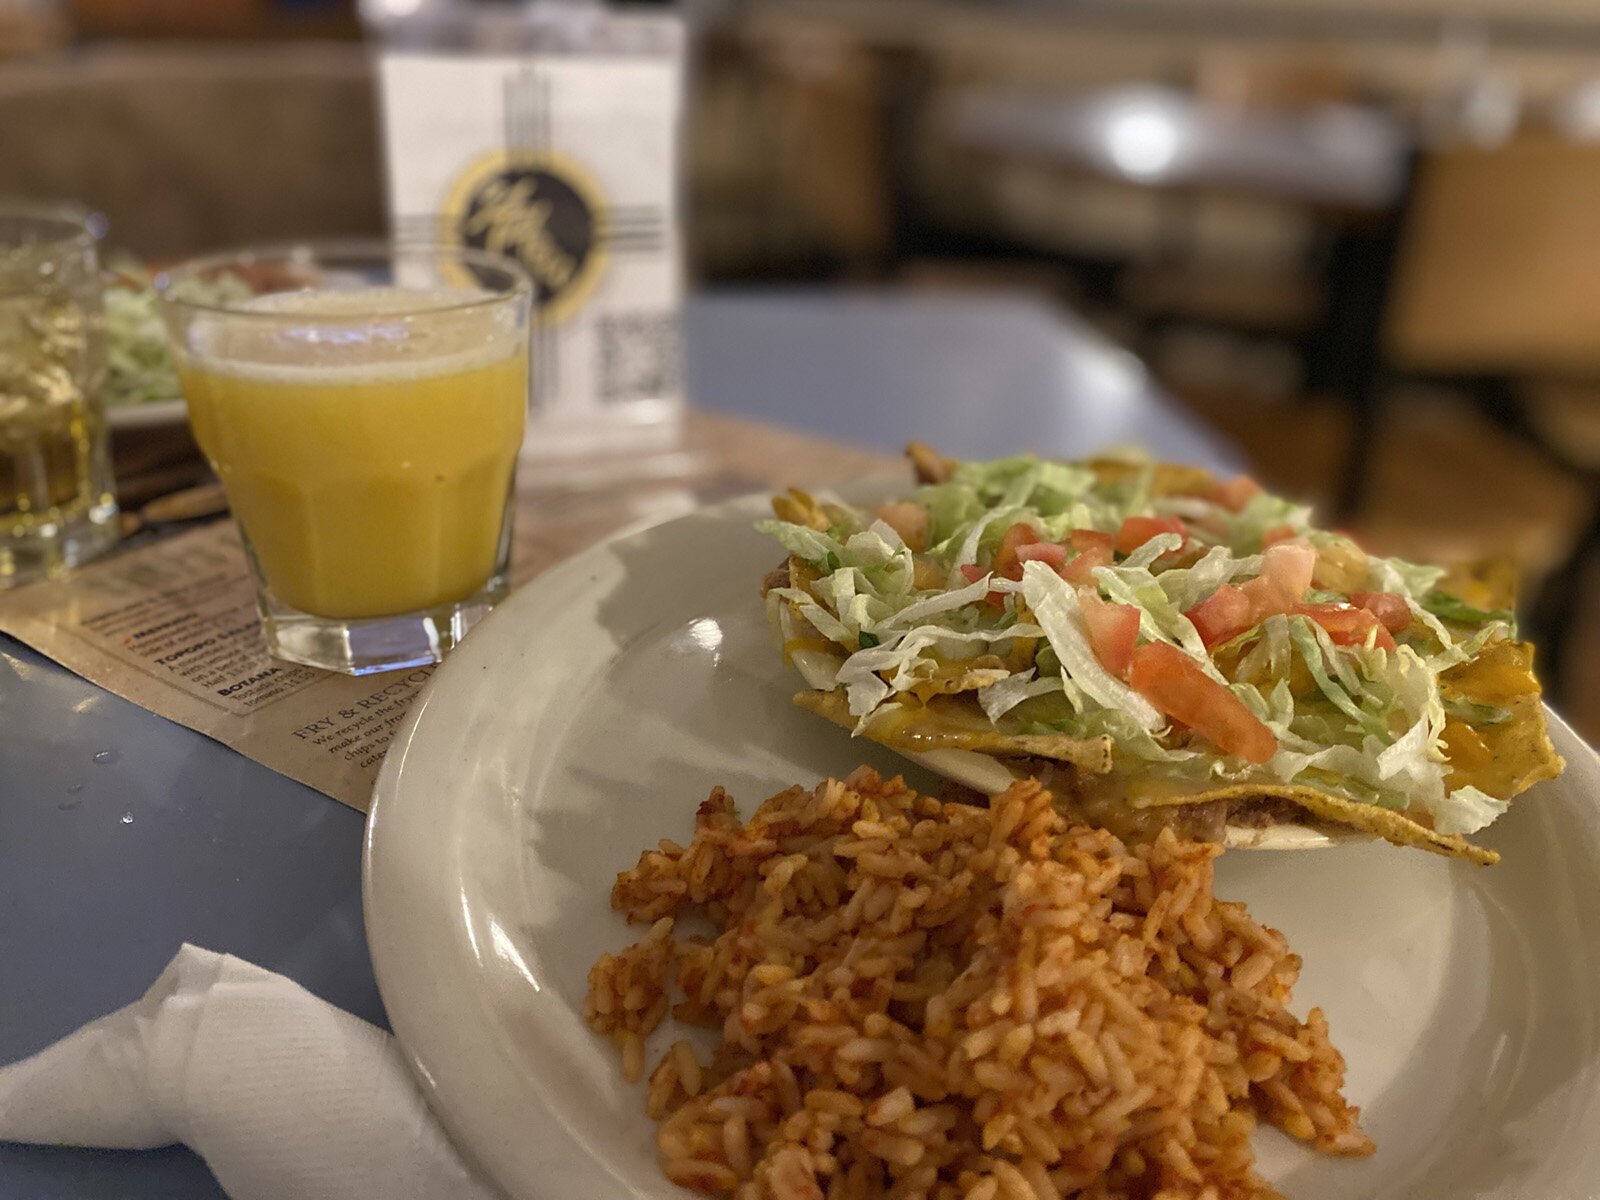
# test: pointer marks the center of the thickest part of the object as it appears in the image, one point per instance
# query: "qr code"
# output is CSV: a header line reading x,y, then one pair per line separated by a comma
x,y
641,356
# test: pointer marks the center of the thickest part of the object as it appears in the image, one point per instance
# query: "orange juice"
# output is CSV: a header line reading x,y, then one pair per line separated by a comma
x,y
366,441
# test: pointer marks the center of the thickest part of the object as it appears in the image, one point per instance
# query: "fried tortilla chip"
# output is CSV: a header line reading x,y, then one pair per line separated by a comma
x,y
1495,736
1511,755
799,508
969,675
929,465
939,725
1503,759
1323,808
1166,479
948,679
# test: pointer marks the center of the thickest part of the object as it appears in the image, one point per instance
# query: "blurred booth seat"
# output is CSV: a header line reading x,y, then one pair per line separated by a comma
x,y
194,147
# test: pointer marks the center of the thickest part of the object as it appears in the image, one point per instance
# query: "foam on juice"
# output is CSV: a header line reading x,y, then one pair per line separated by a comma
x,y
356,335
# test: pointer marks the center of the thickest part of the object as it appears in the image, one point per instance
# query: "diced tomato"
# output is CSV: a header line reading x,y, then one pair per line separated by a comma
x,y
910,520
1081,569
1278,533
1285,578
1290,564
1235,493
1136,531
1175,684
1045,552
1005,557
1388,607
1090,539
1113,630
1347,626
1226,613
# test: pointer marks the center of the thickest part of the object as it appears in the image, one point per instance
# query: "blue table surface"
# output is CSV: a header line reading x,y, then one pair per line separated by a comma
x,y
123,835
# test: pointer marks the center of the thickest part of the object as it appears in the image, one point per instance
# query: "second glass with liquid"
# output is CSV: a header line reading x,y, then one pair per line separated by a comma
x,y
56,503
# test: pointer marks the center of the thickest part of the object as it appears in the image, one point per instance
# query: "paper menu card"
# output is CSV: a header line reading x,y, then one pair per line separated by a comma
x,y
562,155
172,626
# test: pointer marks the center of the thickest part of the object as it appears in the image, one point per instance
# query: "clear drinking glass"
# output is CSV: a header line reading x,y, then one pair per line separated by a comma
x,y
362,404
56,503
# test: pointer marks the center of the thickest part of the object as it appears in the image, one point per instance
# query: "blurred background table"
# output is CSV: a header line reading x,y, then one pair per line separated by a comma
x,y
978,376
123,835
1333,154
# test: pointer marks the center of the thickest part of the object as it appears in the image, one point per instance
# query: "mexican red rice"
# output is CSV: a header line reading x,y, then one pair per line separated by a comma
x,y
928,999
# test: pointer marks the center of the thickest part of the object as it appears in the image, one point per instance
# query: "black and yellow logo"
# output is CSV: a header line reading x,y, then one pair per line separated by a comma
x,y
540,209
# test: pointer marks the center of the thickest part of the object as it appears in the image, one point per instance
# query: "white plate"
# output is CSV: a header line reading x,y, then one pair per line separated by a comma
x,y
591,713
156,414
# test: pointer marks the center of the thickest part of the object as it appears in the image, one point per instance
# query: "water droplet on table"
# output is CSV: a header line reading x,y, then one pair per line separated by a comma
x,y
105,756
74,788
127,818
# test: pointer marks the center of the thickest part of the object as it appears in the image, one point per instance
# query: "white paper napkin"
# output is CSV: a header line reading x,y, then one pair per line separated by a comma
x,y
285,1096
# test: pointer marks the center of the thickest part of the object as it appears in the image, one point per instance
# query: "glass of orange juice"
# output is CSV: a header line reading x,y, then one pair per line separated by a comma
x,y
363,405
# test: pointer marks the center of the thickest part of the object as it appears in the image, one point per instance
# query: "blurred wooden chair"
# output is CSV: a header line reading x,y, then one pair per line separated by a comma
x,y
187,150
1498,272
29,28
1496,288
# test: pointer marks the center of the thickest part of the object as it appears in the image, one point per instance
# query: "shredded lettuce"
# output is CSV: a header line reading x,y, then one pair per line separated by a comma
x,y
951,508
907,659
805,543
1001,697
1162,543
1476,714
1012,482
1131,737
1459,652
1262,513
1451,608
1054,605
139,364
939,602
1466,810
1159,618
1303,635
828,625
1411,580
1269,657
1187,586
967,554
